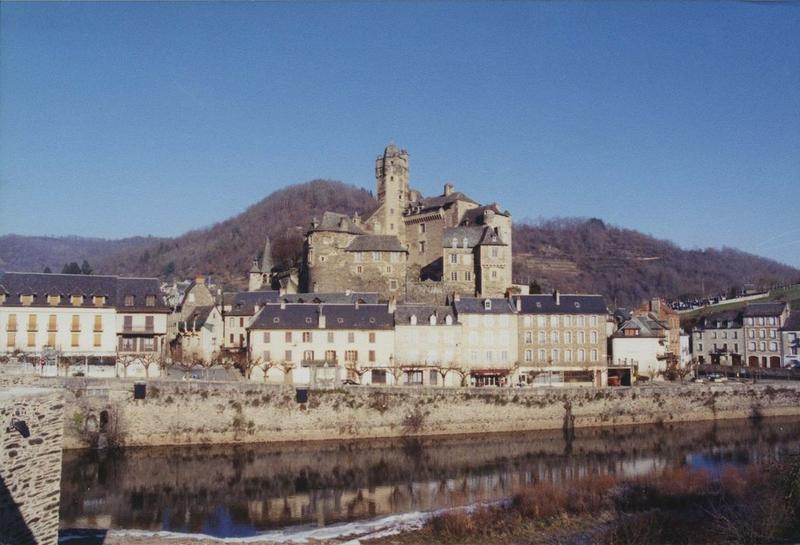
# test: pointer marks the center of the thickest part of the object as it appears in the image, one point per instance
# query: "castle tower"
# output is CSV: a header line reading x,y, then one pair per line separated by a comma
x,y
391,176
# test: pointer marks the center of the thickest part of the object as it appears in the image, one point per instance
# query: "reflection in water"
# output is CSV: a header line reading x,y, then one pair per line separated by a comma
x,y
242,490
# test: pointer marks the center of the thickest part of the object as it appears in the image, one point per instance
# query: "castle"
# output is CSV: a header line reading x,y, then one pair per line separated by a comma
x,y
448,244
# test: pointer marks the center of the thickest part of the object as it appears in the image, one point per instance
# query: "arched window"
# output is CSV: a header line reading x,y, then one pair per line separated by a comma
x,y
413,319
487,304
432,319
448,320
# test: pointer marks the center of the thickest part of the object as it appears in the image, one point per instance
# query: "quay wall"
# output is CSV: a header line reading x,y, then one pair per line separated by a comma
x,y
104,412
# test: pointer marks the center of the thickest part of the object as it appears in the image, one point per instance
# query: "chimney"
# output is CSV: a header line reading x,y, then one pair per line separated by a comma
x,y
199,279
448,189
655,305
557,297
321,317
356,219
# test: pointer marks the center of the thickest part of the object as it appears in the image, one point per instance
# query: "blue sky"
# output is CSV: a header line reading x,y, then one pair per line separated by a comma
x,y
679,119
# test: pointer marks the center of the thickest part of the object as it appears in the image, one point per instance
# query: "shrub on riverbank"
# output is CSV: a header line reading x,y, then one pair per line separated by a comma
x,y
757,504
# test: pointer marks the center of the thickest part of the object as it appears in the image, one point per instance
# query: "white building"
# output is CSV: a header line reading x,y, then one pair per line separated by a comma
x,y
427,345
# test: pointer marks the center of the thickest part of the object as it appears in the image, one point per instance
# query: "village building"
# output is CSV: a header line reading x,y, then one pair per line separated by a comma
x,y
323,345
719,339
97,320
641,343
791,339
562,339
427,343
763,323
488,349
403,244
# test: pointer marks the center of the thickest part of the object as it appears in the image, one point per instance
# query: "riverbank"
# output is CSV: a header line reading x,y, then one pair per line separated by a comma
x,y
117,412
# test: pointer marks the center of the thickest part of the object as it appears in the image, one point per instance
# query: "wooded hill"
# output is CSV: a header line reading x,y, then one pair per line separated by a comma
x,y
574,255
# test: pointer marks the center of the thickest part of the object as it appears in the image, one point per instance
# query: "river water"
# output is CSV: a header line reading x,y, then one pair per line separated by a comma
x,y
236,491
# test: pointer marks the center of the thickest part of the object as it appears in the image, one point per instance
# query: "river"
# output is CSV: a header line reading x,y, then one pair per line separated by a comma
x,y
244,490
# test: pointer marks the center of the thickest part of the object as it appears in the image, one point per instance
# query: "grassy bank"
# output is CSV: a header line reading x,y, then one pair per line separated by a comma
x,y
748,505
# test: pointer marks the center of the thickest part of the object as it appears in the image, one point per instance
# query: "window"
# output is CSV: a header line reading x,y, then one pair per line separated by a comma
x,y
100,300
351,355
504,356
473,356
11,339
568,355
568,337
150,301
287,336
357,257
31,339
376,256
51,340
762,346
488,357
594,355
529,355
128,300
330,336
351,337
287,356
52,323
581,321
529,337
241,322
422,247
76,323
494,274
454,244
394,257
98,324
148,323
593,321
266,337
468,276
76,300
773,346
308,355
454,259
231,341
494,251
542,355
75,340
465,242
330,356
98,338
487,304
372,356
542,337
32,323
393,284
554,337
53,300
378,376
413,378
553,321
421,227
372,337
581,355
582,337
26,300
307,336
359,269
267,356
554,355
593,337
752,345
454,276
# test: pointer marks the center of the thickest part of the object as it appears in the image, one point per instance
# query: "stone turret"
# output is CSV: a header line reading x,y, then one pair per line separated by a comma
x,y
391,177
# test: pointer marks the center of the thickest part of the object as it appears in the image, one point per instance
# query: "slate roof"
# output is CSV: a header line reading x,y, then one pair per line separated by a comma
x,y
730,319
376,243
764,309
793,321
403,313
243,303
340,223
306,316
471,234
568,304
475,305
338,298
197,318
648,328
441,201
114,288
475,215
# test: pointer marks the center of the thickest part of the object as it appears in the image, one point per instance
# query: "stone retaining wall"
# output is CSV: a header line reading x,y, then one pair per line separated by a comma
x,y
105,412
30,467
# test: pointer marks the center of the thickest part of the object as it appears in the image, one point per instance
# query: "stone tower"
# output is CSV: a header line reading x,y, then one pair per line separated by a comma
x,y
260,276
391,176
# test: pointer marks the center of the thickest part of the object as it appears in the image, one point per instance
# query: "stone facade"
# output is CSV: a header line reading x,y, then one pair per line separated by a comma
x,y
31,438
408,239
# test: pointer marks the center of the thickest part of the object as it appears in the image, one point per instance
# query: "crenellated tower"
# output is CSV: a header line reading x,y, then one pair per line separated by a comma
x,y
391,177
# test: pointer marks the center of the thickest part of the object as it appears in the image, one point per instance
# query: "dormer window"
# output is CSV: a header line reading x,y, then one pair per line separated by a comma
x,y
455,243
577,304
487,304
413,319
26,300
53,300
150,301
448,320
76,300
275,320
2,298
129,300
372,320
99,300
432,319
466,242
339,320
308,320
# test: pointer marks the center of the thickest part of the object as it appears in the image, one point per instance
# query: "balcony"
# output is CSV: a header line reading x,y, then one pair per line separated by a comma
x,y
134,330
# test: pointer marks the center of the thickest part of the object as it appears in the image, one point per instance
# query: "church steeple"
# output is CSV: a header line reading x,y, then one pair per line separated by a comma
x,y
261,274
266,260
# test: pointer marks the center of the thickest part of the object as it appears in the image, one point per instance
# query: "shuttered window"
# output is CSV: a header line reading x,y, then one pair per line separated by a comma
x,y
98,339
12,322
51,340
12,339
32,325
75,340
31,339
98,324
76,324
52,324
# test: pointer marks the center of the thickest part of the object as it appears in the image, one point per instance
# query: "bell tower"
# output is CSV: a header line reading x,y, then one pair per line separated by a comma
x,y
391,177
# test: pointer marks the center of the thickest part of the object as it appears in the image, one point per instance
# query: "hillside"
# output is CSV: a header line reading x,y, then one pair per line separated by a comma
x,y
571,254
30,253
